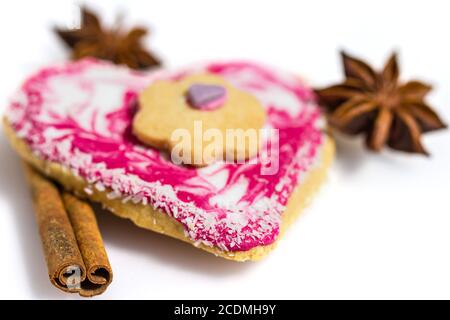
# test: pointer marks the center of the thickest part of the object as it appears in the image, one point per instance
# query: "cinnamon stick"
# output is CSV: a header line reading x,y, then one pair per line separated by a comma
x,y
90,243
73,247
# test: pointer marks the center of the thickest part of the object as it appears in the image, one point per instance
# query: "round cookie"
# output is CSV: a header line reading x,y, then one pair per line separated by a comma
x,y
165,116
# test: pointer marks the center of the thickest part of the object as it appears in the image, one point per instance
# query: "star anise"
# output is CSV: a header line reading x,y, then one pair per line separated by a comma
x,y
378,105
93,40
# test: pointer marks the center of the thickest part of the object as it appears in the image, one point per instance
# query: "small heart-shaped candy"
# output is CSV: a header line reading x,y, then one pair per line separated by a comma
x,y
206,97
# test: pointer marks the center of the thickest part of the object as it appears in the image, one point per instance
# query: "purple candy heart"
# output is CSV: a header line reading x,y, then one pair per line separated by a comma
x,y
206,97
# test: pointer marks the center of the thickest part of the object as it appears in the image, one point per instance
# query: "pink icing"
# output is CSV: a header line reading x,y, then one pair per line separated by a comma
x,y
79,115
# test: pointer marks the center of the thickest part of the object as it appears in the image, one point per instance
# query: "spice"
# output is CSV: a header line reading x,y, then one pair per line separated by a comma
x,y
73,248
91,39
377,105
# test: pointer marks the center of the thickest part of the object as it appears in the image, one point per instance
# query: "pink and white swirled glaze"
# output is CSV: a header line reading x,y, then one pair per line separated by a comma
x,y
79,115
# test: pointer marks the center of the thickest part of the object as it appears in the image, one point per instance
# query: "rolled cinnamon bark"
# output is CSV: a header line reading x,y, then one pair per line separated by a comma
x,y
73,248
90,243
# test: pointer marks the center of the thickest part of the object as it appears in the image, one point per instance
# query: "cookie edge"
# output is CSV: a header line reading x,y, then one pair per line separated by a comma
x,y
146,217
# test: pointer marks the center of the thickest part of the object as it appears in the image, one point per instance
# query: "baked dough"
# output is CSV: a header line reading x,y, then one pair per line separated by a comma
x,y
164,110
73,123
148,218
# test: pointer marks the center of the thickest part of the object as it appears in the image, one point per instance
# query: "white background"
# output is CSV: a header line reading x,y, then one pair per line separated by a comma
x,y
380,227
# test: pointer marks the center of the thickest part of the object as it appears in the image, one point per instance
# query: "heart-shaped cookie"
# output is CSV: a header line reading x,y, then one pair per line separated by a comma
x,y
73,123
